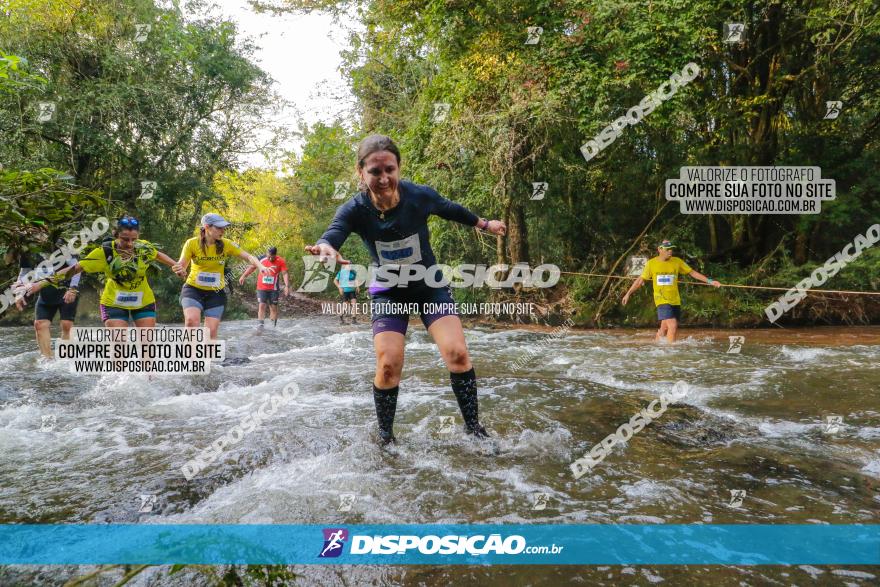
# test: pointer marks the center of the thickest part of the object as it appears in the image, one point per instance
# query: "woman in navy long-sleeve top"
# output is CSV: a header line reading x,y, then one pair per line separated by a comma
x,y
391,217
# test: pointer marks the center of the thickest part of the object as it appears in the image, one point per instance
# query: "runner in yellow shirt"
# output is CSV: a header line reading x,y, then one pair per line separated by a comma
x,y
663,271
127,296
204,288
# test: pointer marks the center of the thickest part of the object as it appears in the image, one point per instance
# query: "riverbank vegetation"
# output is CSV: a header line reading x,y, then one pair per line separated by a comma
x,y
480,115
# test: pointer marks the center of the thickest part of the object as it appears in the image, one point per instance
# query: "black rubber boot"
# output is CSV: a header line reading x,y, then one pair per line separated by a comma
x,y
464,385
386,406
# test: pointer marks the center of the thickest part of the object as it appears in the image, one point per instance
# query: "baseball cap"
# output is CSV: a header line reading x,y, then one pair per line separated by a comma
x,y
666,244
273,251
214,220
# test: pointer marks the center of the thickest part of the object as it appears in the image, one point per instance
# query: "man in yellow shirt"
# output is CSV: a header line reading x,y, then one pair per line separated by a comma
x,y
663,271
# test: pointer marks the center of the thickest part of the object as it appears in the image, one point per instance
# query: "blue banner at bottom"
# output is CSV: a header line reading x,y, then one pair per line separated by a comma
x,y
560,544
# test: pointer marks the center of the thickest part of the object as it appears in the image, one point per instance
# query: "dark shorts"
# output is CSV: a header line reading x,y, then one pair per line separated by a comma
x,y
210,302
347,296
667,311
47,311
127,314
267,296
391,309
51,295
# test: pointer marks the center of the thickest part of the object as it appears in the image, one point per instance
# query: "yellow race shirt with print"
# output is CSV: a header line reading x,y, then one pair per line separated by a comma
x,y
126,285
206,271
664,276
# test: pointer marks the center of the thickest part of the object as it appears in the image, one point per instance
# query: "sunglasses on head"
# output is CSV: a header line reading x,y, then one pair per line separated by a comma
x,y
128,222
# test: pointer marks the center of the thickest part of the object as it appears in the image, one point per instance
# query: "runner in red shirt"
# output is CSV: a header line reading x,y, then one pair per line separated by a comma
x,y
268,286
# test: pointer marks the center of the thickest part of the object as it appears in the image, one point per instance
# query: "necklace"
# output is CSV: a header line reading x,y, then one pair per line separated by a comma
x,y
375,201
125,255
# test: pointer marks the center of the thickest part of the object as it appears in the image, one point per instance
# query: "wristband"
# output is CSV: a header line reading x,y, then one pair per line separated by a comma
x,y
709,281
484,227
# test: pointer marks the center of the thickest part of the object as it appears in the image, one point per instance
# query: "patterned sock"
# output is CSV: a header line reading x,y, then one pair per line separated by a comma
x,y
386,406
464,385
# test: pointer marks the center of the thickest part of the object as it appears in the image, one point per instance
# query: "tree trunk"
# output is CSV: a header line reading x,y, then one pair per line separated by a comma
x,y
713,235
800,247
517,235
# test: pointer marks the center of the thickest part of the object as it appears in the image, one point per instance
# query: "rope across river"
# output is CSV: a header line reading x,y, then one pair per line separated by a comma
x,y
827,291
736,285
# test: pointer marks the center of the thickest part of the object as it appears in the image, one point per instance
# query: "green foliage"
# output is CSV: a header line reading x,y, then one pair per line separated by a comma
x,y
13,76
182,107
37,207
179,107
519,113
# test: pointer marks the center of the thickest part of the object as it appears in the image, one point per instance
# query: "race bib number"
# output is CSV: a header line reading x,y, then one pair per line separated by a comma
x,y
129,299
403,252
665,279
268,279
208,279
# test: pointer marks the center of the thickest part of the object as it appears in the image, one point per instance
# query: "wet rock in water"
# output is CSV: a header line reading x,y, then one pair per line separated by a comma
x,y
198,385
229,468
232,361
699,430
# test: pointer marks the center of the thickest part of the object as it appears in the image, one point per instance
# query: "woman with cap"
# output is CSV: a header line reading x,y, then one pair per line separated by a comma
x,y
203,291
124,261
391,217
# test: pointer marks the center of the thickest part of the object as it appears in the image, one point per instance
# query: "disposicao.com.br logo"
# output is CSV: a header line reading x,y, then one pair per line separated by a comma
x,y
319,274
334,540
453,544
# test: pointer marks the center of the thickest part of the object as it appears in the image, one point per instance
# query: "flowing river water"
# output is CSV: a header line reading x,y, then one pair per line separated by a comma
x,y
109,449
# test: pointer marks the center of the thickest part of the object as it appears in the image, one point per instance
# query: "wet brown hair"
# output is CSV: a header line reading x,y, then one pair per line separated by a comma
x,y
374,144
203,241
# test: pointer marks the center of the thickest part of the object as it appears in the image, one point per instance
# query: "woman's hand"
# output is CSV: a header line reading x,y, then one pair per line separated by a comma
x,y
179,269
497,227
70,296
325,252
